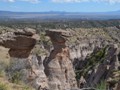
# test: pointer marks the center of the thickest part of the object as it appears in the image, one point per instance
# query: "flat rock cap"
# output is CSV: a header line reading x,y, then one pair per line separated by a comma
x,y
61,32
25,31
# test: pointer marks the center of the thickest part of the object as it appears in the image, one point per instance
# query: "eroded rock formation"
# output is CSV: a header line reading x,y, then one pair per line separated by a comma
x,y
28,67
58,67
20,42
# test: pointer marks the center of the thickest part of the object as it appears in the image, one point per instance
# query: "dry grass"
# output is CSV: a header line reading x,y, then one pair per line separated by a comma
x,y
11,86
4,56
4,83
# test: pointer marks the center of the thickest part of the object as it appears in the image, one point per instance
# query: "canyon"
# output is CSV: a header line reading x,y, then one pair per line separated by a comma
x,y
78,59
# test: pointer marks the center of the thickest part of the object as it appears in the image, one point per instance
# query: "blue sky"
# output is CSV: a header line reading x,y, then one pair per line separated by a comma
x,y
60,5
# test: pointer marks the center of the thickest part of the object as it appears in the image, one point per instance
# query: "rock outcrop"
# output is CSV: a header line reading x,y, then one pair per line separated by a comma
x,y
20,42
23,64
58,67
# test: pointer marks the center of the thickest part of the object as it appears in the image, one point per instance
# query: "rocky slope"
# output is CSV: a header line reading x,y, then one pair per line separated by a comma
x,y
67,60
100,66
101,45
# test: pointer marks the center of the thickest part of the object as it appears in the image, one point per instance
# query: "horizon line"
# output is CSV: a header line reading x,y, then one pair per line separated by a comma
x,y
60,11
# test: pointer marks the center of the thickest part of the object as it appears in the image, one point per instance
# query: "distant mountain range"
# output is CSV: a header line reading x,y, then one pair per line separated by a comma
x,y
60,15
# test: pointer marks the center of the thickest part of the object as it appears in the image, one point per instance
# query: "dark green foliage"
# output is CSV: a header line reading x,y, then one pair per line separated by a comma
x,y
101,86
16,77
61,24
92,61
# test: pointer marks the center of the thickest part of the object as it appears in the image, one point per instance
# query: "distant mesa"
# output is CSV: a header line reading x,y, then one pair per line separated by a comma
x,y
61,15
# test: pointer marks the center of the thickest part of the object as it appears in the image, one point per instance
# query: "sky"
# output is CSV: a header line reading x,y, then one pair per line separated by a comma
x,y
60,5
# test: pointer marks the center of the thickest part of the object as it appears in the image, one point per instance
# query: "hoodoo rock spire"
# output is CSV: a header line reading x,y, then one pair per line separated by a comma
x,y
58,67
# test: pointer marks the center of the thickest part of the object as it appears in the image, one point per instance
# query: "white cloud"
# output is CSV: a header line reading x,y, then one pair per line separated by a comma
x,y
108,1
67,1
11,0
32,1
8,0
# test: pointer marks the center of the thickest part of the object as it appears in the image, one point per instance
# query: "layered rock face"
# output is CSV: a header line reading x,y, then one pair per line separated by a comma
x,y
27,66
58,66
85,47
86,41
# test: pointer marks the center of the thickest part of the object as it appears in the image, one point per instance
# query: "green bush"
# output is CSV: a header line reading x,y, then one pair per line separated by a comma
x,y
92,61
101,86
16,77
3,67
3,86
2,73
26,88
